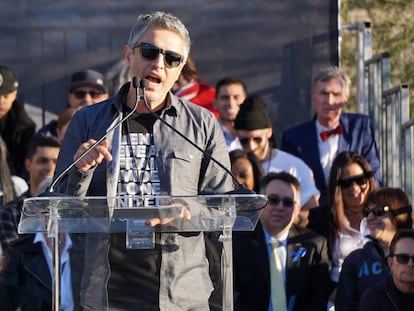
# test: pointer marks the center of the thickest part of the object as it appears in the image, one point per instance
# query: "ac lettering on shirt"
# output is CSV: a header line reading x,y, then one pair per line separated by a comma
x,y
376,268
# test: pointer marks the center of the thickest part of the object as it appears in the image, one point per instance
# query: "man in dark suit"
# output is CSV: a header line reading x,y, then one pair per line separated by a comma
x,y
302,253
318,141
28,267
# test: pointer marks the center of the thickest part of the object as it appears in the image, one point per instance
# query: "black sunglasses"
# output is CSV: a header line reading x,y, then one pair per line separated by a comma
x,y
245,140
360,180
81,94
274,199
403,259
378,211
151,52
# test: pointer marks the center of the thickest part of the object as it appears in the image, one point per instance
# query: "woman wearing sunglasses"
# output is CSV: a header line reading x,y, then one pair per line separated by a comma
x,y
387,211
341,221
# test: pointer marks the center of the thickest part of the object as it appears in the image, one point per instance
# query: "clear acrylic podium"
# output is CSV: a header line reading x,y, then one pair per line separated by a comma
x,y
57,215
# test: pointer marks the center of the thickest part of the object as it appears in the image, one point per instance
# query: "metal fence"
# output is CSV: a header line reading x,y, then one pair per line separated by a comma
x,y
389,110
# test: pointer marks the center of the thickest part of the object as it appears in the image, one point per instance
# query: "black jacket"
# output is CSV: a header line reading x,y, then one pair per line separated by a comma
x,y
307,278
384,296
17,130
361,269
26,267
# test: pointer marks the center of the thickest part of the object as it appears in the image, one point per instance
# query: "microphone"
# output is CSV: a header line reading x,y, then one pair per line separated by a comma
x,y
240,188
110,130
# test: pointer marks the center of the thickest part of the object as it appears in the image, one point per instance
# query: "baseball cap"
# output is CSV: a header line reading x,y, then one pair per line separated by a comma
x,y
252,115
87,77
8,80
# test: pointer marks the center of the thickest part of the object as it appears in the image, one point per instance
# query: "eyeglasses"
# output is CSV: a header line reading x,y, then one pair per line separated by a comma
x,y
245,140
360,180
403,259
151,52
274,199
81,94
377,211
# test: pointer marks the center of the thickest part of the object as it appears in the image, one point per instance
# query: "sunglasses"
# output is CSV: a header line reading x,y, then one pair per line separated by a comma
x,y
81,94
274,199
403,259
379,211
244,141
151,52
360,180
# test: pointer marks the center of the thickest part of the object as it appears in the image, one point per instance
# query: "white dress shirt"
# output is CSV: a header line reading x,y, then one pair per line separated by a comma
x,y
66,294
327,149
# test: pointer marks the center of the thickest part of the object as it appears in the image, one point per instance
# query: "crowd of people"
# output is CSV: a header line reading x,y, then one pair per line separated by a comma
x,y
330,237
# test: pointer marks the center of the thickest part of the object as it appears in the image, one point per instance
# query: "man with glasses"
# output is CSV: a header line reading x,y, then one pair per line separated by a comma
x,y
254,129
143,155
300,254
396,292
87,87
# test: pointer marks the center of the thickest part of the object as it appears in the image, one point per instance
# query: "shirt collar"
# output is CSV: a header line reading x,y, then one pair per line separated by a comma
x,y
121,97
282,240
40,237
320,127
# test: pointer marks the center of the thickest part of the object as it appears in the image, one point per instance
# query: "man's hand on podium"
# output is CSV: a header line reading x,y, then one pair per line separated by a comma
x,y
185,214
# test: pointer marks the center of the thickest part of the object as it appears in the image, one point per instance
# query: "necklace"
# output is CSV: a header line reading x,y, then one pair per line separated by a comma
x,y
269,158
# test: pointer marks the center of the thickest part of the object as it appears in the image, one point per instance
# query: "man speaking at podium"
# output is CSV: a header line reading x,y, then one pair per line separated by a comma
x,y
142,152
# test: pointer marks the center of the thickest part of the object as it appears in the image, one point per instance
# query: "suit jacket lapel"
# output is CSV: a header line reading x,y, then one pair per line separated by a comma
x,y
345,139
292,277
37,267
314,155
259,250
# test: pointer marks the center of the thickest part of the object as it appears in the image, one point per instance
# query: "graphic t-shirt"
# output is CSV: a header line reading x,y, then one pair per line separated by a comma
x,y
134,255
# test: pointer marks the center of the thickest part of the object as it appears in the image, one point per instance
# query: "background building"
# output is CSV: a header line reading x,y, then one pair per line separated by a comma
x,y
275,46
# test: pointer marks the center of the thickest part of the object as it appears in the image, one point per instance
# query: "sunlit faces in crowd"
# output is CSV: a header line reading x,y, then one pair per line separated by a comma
x,y
256,141
283,205
387,210
228,101
85,96
379,224
42,164
162,71
401,261
243,170
354,185
350,181
247,168
329,98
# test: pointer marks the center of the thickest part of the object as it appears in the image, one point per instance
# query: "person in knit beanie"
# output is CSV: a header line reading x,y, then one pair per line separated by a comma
x,y
254,129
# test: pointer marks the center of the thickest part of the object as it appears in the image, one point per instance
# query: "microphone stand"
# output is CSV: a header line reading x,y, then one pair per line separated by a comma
x,y
56,299
240,189
100,140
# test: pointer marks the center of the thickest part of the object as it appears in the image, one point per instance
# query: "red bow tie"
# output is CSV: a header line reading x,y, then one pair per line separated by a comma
x,y
326,134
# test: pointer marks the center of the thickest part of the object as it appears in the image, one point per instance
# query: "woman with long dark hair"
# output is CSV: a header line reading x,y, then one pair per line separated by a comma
x,y
10,186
